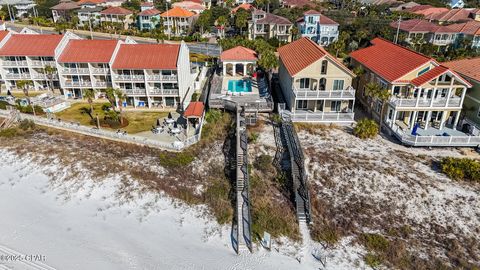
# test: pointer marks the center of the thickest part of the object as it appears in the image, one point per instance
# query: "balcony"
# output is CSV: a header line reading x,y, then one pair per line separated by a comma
x,y
301,93
76,71
100,84
41,76
130,77
18,76
442,41
100,70
443,137
157,91
162,78
319,117
454,102
15,63
329,33
137,91
78,84
39,63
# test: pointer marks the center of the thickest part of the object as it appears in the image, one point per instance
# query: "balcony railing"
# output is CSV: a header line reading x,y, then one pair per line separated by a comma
x,y
162,78
138,91
157,91
41,76
100,70
130,77
18,76
442,41
300,93
438,102
15,63
304,116
39,63
78,84
100,84
413,140
76,70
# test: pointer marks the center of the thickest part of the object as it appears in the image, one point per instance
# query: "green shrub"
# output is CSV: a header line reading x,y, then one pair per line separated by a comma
x,y
375,242
253,137
264,163
276,118
26,124
217,197
8,132
461,169
372,260
106,106
195,96
366,129
3,105
213,116
176,160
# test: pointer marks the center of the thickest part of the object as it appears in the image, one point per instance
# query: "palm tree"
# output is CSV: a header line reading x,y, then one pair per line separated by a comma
x,y
376,92
110,94
120,97
359,71
89,94
25,85
294,32
222,22
49,72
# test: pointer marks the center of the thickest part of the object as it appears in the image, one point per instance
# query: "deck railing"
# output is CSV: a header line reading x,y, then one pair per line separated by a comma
x,y
432,140
438,102
348,93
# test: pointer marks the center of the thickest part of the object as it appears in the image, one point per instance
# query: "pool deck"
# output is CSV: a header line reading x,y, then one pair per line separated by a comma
x,y
225,91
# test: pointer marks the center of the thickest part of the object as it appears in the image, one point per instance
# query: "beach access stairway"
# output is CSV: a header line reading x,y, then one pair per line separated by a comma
x,y
10,119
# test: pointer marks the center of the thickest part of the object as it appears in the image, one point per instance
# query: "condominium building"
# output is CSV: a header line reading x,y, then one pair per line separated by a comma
x,y
177,21
426,97
318,27
25,57
315,85
267,26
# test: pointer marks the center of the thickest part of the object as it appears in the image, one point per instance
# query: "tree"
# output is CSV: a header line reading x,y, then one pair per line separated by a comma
x,y
359,71
294,32
366,129
61,26
25,86
268,60
241,19
222,23
204,20
376,93
49,72
110,94
120,97
89,94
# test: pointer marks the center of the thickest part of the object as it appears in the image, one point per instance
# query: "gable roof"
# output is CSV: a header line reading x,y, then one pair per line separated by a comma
x,y
245,6
150,12
177,12
467,67
312,12
239,53
469,28
273,19
323,19
388,60
88,51
452,15
3,34
301,53
83,2
116,11
426,10
297,3
65,5
147,56
194,110
31,45
429,75
419,25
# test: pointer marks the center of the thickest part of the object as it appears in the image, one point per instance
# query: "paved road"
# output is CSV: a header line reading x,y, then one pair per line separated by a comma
x,y
201,47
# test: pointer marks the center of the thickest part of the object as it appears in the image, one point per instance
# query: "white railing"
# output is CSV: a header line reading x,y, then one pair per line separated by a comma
x,y
15,63
431,140
41,76
78,84
18,76
130,77
135,91
438,102
162,78
107,134
76,70
318,94
157,91
100,70
322,116
39,63
100,84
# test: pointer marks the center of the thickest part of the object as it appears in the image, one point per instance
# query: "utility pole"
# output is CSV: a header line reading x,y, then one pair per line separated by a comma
x,y
398,29
168,21
12,19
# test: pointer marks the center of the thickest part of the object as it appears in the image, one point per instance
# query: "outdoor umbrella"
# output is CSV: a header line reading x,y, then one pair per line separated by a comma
x,y
414,130
170,115
175,125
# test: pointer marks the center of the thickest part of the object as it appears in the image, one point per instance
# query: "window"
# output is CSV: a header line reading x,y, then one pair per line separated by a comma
x,y
335,106
478,113
301,104
324,67
323,83
310,19
338,85
423,71
304,83
396,90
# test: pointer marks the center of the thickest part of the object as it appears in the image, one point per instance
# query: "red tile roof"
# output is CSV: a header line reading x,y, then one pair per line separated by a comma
x,y
177,12
419,25
426,10
147,56
312,12
467,67
239,53
323,19
301,53
273,19
146,4
88,51
65,5
453,15
194,109
468,28
81,2
3,34
116,11
429,75
31,45
150,12
388,60
245,6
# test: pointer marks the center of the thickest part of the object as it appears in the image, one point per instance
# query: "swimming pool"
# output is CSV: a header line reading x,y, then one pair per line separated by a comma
x,y
239,86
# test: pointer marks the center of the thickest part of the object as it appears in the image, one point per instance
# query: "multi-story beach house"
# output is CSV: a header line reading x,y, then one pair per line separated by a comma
x,y
177,21
85,64
267,26
315,85
318,27
426,97
117,15
470,70
25,57
149,17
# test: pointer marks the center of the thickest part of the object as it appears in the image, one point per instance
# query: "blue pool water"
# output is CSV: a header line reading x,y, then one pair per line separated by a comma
x,y
239,86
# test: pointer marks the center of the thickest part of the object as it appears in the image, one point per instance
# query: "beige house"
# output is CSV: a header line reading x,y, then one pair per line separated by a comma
x,y
426,97
267,25
315,85
178,21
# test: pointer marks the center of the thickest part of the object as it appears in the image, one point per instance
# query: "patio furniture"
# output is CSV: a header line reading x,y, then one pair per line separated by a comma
x,y
176,130
170,120
422,124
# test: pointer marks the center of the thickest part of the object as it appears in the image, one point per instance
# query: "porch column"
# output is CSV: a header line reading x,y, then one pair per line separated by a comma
x,y
449,94
224,69
414,119
457,117
464,91
234,69
410,120
244,69
429,115
434,90
315,105
394,118
134,102
443,119
419,90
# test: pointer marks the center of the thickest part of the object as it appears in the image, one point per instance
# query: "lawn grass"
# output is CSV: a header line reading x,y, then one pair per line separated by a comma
x,y
138,120
20,94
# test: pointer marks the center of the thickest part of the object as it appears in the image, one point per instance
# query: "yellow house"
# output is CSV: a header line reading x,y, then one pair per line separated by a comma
x,y
315,85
